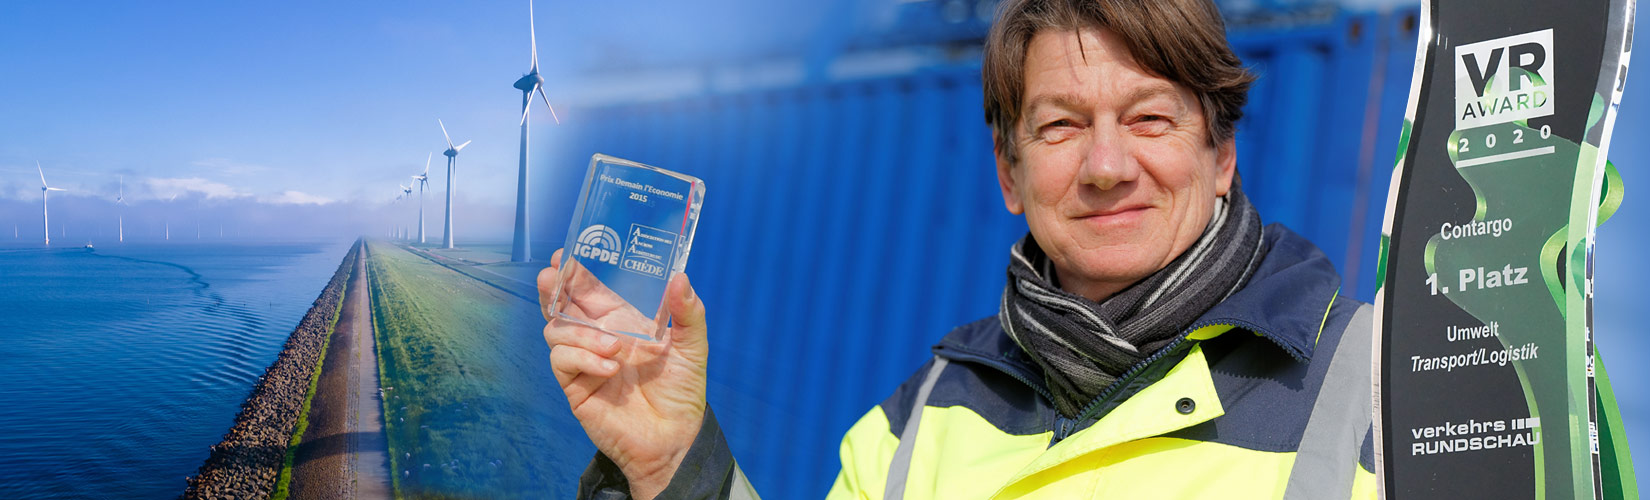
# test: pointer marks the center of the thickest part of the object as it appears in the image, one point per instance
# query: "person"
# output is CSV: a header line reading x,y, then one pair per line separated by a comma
x,y
1153,340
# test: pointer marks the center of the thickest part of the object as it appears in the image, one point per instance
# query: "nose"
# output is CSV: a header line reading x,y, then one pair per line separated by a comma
x,y
1108,162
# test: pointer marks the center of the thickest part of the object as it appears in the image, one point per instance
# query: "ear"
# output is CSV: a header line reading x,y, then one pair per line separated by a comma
x,y
1005,178
1226,161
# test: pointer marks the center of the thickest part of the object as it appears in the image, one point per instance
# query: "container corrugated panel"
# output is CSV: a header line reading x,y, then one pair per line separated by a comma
x,y
1315,148
848,226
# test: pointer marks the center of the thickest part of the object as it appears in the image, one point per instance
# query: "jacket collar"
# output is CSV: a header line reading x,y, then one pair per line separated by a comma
x,y
1285,301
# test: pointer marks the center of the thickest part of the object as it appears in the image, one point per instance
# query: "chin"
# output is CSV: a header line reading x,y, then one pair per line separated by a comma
x,y
1127,269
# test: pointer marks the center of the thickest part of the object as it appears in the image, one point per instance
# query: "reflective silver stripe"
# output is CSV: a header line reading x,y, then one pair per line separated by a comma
x,y
1329,447
901,465
742,489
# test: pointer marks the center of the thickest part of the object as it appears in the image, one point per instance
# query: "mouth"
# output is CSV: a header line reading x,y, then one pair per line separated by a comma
x,y
1112,212
1114,216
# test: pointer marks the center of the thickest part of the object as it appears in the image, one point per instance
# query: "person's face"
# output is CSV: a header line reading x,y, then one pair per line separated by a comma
x,y
1116,176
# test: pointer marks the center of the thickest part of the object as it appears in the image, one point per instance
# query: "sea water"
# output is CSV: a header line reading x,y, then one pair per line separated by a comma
x,y
120,367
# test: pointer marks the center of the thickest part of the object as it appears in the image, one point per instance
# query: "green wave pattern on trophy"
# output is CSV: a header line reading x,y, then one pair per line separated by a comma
x,y
1527,183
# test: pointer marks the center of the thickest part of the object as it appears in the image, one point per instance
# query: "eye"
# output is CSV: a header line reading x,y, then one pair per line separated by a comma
x,y
1058,130
1150,124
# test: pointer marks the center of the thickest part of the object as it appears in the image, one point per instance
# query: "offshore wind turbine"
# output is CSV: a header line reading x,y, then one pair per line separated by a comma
x,y
452,162
423,182
120,201
169,216
521,250
45,215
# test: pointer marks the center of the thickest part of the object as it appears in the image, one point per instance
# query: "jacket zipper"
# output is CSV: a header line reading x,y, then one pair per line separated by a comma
x,y
1173,348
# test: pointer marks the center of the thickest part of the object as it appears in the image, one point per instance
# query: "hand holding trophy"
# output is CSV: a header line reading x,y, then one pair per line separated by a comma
x,y
634,379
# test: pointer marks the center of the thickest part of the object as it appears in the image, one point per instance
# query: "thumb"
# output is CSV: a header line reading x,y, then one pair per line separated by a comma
x,y
687,318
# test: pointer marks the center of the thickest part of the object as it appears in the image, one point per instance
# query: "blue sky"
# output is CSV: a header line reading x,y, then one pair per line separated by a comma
x,y
271,105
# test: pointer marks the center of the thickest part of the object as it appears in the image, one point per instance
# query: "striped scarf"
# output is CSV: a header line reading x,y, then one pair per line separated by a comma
x,y
1084,346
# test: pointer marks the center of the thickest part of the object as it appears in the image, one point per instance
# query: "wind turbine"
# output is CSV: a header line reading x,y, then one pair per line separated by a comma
x,y
520,250
121,201
45,216
452,162
169,216
423,182
406,193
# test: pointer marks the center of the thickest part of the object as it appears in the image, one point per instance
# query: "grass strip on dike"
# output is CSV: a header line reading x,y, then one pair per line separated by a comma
x,y
283,484
471,408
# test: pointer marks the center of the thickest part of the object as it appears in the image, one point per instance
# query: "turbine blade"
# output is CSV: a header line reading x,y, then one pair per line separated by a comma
x,y
427,164
532,35
42,173
55,189
444,132
461,146
547,104
527,106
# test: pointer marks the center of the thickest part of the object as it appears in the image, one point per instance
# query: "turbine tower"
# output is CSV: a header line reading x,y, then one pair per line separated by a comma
x,y
391,232
45,216
406,193
423,182
521,250
169,216
452,162
120,201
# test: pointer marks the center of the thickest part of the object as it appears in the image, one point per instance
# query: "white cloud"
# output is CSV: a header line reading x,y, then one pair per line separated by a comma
x,y
175,186
295,198
230,167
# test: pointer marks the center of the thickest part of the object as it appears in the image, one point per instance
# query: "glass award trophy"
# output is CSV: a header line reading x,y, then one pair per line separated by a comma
x,y
1485,375
631,231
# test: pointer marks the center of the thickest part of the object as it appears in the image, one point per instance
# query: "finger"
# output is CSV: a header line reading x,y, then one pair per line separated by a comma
x,y
570,362
589,293
548,278
563,333
687,317
580,390
567,300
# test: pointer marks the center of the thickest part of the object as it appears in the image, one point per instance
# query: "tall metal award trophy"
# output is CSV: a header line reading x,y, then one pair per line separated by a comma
x,y
1485,372
632,230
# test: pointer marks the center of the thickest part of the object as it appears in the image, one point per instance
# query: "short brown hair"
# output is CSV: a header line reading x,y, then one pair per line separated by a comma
x,y
1181,40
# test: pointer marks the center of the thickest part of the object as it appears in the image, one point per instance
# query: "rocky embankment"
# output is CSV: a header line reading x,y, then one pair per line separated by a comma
x,y
248,461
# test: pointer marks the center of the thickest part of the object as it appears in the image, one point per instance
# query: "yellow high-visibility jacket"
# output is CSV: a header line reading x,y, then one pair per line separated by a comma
x,y
1266,396
1223,412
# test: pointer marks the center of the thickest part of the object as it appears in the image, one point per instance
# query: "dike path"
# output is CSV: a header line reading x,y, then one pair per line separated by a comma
x,y
343,453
